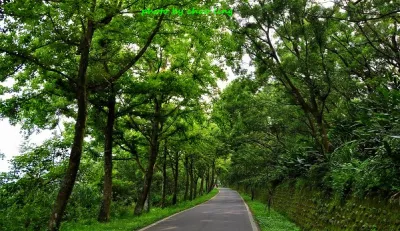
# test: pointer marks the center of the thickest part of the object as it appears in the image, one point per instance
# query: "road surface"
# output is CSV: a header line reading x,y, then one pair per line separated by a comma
x,y
226,212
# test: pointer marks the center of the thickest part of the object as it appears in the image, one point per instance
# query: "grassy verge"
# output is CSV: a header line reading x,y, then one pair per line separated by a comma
x,y
132,222
268,222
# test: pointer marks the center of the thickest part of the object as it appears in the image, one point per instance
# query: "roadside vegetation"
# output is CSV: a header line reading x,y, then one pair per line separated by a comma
x,y
140,123
124,102
128,222
268,220
322,107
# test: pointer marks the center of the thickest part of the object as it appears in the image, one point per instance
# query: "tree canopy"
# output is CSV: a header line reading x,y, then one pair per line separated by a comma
x,y
145,124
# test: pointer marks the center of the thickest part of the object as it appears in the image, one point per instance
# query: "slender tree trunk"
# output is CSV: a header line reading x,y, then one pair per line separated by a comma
x,y
164,187
154,145
270,197
195,187
324,136
207,181
187,178
148,179
205,187
313,131
191,178
174,198
212,177
104,215
147,202
201,185
80,126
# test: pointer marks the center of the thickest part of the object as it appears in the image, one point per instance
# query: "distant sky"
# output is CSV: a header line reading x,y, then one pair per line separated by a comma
x,y
11,139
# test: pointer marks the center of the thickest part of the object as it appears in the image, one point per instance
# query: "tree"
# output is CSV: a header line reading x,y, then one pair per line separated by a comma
x,y
299,59
36,52
162,97
317,69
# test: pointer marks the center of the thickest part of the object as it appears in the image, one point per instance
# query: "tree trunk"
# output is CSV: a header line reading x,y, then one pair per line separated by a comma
x,y
104,215
187,178
212,177
324,136
147,202
174,198
154,145
270,197
148,179
195,187
191,178
201,185
164,187
207,181
205,187
80,126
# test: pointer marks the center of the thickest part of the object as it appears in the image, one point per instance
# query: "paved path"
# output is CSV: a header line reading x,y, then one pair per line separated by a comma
x,y
226,211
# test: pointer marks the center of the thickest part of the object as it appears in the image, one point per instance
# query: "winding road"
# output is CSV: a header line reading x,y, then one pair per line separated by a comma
x,y
226,211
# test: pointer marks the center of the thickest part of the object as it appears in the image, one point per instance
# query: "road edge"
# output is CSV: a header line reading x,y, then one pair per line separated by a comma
x,y
254,224
157,222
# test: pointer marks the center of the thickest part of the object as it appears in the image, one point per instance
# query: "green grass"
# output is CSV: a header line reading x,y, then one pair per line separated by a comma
x,y
268,222
132,222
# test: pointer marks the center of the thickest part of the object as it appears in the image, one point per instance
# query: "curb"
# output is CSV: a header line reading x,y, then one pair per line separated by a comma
x,y
254,226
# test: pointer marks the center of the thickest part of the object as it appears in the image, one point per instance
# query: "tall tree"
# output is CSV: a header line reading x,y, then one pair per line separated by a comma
x,y
41,53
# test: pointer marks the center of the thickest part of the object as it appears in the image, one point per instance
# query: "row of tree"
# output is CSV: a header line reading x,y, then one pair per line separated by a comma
x,y
132,86
323,102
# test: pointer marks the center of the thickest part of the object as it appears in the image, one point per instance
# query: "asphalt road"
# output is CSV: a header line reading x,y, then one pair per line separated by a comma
x,y
226,211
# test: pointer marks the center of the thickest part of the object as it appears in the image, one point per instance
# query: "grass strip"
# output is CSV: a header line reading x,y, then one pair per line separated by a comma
x,y
272,221
132,222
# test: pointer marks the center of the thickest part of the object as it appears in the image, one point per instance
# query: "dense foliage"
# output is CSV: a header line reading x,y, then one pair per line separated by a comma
x,y
126,89
144,123
323,102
